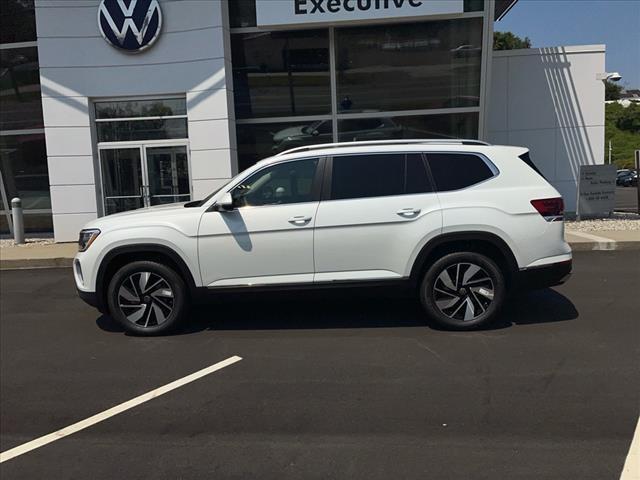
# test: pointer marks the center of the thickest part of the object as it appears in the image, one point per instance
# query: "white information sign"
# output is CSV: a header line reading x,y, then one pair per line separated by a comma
x,y
292,12
596,190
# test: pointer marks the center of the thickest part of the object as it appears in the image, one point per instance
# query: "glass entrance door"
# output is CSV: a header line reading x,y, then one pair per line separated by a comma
x,y
122,179
168,171
144,175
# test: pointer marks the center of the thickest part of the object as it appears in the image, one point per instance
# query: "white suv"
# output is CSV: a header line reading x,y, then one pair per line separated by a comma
x,y
462,221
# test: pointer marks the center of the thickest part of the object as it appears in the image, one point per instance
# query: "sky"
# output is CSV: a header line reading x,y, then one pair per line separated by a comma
x,y
553,23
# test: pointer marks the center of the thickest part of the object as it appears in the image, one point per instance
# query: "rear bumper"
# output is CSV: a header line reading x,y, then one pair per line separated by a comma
x,y
544,276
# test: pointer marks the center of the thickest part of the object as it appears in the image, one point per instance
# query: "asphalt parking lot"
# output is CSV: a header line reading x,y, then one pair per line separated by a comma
x,y
340,385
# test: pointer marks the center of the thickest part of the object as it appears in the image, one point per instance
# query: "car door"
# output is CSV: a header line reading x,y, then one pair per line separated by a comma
x,y
377,210
268,236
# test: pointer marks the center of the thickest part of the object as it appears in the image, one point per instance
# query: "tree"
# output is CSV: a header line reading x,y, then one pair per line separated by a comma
x,y
629,119
509,41
612,91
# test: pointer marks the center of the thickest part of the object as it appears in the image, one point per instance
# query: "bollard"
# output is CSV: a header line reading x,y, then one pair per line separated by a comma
x,y
18,221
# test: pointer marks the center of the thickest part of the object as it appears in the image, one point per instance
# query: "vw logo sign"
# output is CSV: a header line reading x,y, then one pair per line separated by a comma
x,y
131,25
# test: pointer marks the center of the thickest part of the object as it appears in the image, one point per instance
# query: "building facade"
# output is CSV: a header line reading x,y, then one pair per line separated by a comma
x,y
23,158
135,103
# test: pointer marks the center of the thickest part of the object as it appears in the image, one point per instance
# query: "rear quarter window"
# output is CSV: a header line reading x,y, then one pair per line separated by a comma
x,y
454,171
526,158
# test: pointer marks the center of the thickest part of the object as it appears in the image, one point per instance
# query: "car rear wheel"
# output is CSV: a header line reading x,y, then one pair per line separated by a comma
x,y
147,298
463,290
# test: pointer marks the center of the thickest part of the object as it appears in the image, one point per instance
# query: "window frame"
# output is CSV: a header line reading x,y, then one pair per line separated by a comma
x,y
335,116
492,167
328,176
96,121
316,186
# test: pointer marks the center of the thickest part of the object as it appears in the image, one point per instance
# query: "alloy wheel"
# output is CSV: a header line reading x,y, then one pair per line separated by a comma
x,y
146,299
463,291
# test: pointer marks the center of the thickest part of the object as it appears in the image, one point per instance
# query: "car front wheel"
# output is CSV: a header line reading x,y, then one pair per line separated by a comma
x,y
147,298
463,290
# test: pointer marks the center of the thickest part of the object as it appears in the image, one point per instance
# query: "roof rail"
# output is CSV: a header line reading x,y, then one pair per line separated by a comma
x,y
445,141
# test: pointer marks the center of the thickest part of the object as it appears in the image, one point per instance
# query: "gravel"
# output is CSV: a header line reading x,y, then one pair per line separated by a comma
x,y
30,242
617,222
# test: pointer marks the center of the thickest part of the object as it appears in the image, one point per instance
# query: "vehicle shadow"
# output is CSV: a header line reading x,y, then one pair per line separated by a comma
x,y
354,308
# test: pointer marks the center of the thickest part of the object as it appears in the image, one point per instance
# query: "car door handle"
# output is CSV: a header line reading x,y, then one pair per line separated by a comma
x,y
408,212
300,220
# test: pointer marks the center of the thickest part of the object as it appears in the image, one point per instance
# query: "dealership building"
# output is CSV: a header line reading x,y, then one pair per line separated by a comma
x,y
111,105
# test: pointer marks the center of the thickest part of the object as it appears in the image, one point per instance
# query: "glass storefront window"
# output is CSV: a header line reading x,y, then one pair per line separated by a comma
x,y
409,66
242,13
17,21
473,5
168,107
122,121
20,103
145,173
23,161
37,223
281,73
451,125
258,141
122,131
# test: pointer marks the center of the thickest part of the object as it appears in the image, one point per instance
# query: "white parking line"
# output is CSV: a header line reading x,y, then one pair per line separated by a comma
x,y
134,402
631,470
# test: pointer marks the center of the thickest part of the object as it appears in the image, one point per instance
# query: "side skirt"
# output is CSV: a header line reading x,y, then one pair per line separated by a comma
x,y
204,292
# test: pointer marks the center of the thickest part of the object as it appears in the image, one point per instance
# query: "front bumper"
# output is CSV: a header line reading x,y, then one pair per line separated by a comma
x,y
90,298
544,276
93,299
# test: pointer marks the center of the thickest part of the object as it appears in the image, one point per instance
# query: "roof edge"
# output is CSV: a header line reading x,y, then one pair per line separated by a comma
x,y
558,50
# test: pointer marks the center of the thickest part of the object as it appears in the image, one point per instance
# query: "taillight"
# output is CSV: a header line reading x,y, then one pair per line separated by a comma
x,y
552,209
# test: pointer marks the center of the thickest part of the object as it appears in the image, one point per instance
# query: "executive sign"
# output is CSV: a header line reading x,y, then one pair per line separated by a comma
x,y
131,25
596,190
291,12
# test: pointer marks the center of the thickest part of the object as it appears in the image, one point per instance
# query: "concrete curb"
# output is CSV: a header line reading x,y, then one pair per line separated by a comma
x,y
604,246
27,263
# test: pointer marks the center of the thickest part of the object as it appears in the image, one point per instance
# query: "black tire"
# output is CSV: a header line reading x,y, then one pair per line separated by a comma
x,y
147,298
450,307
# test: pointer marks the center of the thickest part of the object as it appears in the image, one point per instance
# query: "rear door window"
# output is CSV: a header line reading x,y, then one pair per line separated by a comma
x,y
417,179
378,175
454,171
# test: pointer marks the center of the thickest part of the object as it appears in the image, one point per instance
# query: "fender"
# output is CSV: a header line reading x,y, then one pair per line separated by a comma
x,y
143,248
443,239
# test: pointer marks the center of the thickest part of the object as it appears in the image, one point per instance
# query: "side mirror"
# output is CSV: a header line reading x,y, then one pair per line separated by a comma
x,y
225,203
315,133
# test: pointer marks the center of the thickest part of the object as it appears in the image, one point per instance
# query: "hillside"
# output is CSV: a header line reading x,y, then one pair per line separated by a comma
x,y
622,127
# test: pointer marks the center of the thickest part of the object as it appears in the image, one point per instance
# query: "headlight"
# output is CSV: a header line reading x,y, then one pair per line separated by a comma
x,y
86,238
